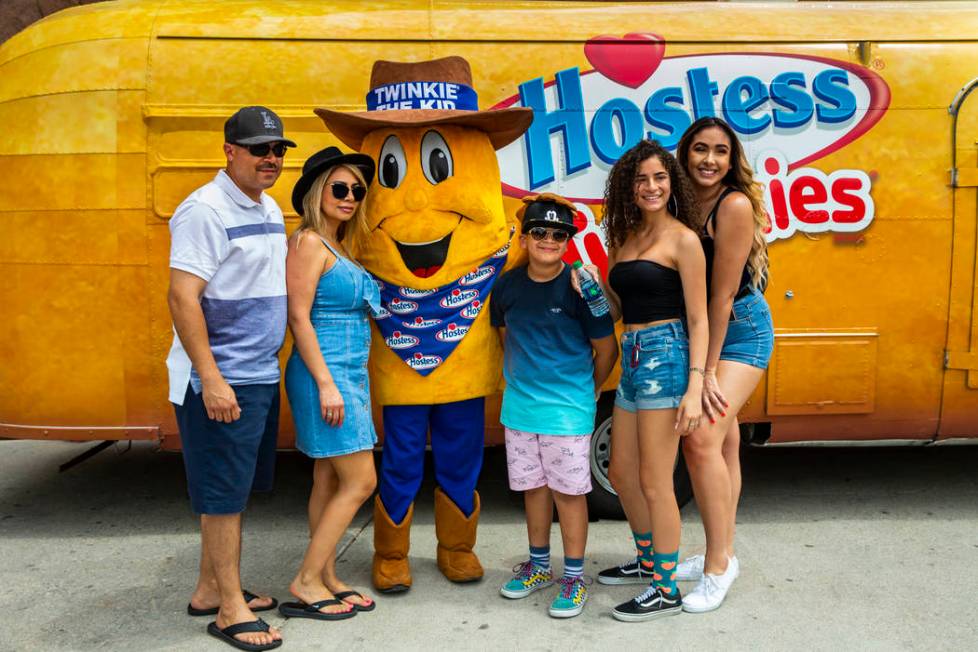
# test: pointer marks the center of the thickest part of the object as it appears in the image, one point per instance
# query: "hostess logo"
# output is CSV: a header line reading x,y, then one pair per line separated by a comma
x,y
398,340
799,107
421,322
451,333
477,275
383,313
420,361
402,306
472,310
411,293
458,298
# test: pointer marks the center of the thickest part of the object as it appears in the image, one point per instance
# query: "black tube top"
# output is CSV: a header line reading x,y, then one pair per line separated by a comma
x,y
648,291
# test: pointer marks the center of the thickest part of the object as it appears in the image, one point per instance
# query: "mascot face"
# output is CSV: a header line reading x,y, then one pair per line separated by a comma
x,y
434,212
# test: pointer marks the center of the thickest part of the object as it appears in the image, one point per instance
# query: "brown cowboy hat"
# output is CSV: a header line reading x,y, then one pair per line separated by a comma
x,y
502,126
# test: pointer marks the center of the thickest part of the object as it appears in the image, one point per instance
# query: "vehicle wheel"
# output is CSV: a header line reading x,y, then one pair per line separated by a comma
x,y
603,501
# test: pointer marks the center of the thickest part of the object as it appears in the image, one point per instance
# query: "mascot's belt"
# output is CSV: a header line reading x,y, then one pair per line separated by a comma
x,y
423,327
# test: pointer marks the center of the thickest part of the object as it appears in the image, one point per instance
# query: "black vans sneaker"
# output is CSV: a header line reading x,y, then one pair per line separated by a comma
x,y
628,573
651,604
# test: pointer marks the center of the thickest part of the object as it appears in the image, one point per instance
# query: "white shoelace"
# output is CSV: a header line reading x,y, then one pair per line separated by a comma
x,y
649,592
709,584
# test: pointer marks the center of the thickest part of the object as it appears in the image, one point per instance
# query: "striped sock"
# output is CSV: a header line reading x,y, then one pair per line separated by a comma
x,y
643,550
664,575
573,566
540,556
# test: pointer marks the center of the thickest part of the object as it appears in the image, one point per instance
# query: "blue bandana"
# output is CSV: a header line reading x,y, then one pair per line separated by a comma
x,y
423,327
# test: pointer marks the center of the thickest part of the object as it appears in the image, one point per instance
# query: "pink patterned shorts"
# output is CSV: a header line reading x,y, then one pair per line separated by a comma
x,y
561,462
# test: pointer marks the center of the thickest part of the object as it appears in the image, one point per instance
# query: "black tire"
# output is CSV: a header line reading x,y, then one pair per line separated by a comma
x,y
603,501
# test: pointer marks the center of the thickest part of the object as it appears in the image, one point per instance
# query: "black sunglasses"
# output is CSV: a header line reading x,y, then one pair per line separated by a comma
x,y
341,190
539,233
261,150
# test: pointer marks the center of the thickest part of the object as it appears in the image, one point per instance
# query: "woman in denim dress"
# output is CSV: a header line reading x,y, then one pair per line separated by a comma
x,y
330,301
741,341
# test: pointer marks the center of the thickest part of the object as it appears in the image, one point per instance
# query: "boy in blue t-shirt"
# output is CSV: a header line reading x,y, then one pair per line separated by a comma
x,y
557,356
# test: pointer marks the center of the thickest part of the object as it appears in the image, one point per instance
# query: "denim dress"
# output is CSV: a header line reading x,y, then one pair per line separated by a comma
x,y
340,315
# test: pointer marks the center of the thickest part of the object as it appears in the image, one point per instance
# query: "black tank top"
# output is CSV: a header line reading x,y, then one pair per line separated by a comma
x,y
648,291
708,248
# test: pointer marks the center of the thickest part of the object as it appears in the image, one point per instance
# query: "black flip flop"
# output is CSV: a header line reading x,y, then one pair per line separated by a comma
x,y
342,595
227,635
248,597
303,610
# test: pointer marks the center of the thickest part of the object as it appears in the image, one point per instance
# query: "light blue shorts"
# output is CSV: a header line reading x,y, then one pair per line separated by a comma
x,y
750,333
654,368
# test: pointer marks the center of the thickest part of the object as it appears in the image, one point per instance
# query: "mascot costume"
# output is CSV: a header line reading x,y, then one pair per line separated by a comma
x,y
438,239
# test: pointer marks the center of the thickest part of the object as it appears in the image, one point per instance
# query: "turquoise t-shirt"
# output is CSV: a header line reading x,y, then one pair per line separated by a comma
x,y
548,361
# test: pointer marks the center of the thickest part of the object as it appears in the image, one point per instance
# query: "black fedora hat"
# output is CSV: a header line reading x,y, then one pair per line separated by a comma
x,y
323,160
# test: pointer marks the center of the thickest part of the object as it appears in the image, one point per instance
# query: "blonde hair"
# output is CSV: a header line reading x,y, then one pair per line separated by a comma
x,y
312,207
740,177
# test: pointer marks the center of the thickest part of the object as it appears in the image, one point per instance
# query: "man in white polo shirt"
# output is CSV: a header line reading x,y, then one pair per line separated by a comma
x,y
228,303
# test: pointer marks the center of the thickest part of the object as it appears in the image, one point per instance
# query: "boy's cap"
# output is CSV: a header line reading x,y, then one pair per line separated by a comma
x,y
547,210
254,125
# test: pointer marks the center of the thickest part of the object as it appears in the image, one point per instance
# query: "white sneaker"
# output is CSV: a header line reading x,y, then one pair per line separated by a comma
x,y
736,564
690,569
711,591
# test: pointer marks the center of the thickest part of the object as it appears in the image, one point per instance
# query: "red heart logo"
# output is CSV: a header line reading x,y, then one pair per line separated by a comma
x,y
628,60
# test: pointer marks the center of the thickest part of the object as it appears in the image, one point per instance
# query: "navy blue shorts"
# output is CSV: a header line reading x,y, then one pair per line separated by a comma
x,y
225,462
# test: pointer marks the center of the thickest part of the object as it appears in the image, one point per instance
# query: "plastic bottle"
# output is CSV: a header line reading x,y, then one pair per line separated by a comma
x,y
591,290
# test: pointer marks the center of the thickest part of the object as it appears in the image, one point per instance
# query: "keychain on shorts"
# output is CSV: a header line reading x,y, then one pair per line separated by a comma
x,y
636,350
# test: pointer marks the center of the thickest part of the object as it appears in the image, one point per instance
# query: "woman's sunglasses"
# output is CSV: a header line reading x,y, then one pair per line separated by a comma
x,y
539,233
261,150
341,190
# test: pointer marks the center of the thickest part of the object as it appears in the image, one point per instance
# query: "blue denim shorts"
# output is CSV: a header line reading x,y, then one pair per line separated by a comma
x,y
750,333
654,368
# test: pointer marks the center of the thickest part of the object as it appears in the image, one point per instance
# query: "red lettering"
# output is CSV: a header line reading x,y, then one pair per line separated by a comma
x,y
781,219
840,193
596,252
807,192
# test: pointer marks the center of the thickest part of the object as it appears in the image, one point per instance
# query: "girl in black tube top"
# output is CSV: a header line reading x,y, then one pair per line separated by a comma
x,y
657,280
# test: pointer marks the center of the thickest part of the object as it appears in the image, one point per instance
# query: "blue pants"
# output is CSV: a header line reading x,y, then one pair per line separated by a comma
x,y
457,439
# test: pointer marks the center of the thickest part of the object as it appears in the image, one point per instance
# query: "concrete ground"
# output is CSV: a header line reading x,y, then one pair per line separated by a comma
x,y
858,549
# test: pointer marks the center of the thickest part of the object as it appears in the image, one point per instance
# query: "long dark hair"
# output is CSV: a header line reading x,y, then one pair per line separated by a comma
x,y
740,177
621,215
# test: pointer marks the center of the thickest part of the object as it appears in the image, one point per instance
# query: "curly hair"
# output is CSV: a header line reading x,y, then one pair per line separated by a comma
x,y
740,177
622,216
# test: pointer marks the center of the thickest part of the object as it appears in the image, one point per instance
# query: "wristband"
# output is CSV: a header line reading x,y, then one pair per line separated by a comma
x,y
699,370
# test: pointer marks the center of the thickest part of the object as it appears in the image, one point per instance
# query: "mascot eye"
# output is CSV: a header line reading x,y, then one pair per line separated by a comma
x,y
436,158
393,163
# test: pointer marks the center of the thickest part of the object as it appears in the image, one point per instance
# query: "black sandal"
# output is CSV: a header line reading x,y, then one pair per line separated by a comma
x,y
343,595
303,610
248,597
227,635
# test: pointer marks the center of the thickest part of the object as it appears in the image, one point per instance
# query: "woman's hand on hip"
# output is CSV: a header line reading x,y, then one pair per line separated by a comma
x,y
331,404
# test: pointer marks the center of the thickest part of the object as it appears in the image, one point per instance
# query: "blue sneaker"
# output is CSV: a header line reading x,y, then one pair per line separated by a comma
x,y
527,578
571,598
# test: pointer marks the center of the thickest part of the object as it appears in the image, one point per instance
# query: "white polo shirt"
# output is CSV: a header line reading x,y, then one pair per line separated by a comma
x,y
238,246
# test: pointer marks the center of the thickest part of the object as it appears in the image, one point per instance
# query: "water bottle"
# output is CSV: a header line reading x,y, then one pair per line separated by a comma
x,y
591,290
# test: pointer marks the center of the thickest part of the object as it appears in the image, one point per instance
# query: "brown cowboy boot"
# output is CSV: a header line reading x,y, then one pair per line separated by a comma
x,y
456,538
391,572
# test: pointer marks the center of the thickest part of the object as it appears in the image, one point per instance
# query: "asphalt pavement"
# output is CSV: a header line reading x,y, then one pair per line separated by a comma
x,y
856,549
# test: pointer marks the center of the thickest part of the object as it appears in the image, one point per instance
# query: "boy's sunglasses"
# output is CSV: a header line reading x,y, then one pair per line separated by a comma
x,y
341,190
261,150
539,233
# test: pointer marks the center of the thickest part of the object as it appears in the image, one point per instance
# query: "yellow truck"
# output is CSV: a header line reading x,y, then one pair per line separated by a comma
x,y
858,117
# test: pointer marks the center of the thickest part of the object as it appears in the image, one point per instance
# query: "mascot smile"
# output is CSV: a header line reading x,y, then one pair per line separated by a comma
x,y
437,240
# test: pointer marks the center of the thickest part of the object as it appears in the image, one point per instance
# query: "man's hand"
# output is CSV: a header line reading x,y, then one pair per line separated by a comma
x,y
220,401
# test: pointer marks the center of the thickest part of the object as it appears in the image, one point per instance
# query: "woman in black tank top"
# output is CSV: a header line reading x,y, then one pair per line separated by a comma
x,y
657,282
733,223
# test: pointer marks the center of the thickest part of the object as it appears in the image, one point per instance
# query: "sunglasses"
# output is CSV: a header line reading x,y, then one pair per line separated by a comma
x,y
539,233
341,190
262,149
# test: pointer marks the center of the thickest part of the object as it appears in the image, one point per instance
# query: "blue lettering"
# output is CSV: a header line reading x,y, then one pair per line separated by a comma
x,y
629,117
672,120
785,92
737,107
832,87
568,119
701,92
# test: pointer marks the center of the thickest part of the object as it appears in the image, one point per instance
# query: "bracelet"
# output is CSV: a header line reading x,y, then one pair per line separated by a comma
x,y
699,370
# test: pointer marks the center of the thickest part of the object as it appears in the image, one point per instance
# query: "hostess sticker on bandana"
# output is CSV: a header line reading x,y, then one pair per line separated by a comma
x,y
433,322
423,95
